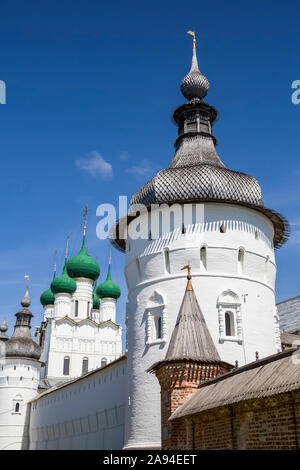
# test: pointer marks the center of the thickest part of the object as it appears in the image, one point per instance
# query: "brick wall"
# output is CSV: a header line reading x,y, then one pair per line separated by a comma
x,y
178,382
265,423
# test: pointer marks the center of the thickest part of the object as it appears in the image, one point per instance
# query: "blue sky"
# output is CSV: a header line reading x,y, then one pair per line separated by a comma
x,y
90,89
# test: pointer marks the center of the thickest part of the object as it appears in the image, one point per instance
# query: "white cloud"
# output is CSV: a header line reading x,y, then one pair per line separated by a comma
x,y
95,165
143,171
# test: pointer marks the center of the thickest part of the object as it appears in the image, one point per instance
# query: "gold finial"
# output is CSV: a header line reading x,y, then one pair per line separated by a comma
x,y
86,209
54,269
67,246
25,302
109,259
189,277
194,38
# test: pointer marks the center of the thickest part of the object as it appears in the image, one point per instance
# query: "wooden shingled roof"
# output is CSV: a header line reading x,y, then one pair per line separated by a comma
x,y
276,374
191,339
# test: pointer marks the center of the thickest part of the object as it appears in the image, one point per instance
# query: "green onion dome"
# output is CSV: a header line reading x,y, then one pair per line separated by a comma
x,y
96,301
82,265
108,289
47,298
63,283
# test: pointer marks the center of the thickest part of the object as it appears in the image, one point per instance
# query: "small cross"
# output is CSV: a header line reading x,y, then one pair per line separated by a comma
x,y
188,269
86,209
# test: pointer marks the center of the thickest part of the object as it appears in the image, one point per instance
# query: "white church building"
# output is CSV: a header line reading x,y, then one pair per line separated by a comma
x,y
75,389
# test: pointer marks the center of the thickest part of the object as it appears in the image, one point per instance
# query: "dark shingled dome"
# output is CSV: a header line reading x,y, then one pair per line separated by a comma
x,y
196,173
21,343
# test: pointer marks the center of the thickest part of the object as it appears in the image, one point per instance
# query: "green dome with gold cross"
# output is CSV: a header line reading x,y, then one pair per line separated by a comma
x,y
83,265
108,288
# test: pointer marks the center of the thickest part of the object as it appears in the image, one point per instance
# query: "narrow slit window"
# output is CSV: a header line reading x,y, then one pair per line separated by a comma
x,y
103,362
17,407
138,267
76,308
85,365
160,224
167,260
241,255
203,258
88,309
157,327
229,324
194,214
66,370
172,221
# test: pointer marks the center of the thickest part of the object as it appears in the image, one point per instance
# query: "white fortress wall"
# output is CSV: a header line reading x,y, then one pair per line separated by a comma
x,y
87,413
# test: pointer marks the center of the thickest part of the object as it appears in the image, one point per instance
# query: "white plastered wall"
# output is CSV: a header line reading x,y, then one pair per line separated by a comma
x,y
85,414
252,304
19,379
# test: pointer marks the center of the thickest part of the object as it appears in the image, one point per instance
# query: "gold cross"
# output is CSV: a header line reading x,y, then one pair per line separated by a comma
x,y
194,37
27,277
67,246
188,269
86,209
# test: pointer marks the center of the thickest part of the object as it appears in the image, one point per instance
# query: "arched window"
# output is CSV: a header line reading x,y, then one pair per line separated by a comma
x,y
156,319
85,365
17,407
66,370
167,260
103,362
88,310
203,259
76,308
160,224
157,327
229,324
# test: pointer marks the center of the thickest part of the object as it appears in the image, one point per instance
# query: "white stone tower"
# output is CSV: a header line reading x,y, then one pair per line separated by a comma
x,y
202,214
19,380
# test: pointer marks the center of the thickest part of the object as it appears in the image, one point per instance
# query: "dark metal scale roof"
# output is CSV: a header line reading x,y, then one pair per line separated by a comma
x,y
196,173
199,182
